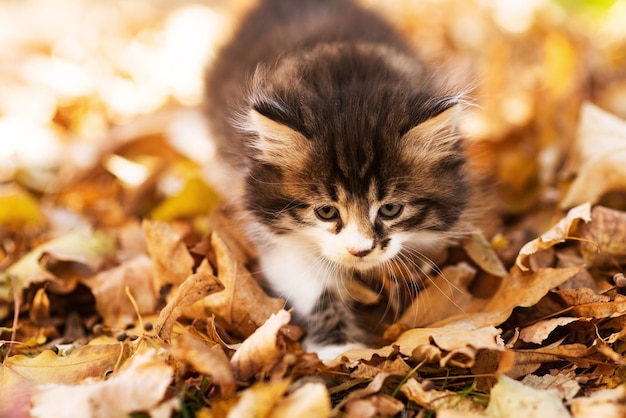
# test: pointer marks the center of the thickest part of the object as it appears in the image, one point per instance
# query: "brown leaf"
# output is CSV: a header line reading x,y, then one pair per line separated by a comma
x,y
539,331
243,306
563,382
196,287
515,400
600,157
260,399
139,386
262,350
587,303
606,236
424,395
484,255
170,257
311,400
557,234
109,290
210,360
603,403
445,296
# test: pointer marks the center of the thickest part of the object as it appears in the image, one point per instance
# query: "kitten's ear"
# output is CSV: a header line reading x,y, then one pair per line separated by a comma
x,y
277,143
437,136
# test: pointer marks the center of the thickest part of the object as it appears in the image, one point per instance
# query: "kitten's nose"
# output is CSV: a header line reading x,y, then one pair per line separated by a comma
x,y
359,253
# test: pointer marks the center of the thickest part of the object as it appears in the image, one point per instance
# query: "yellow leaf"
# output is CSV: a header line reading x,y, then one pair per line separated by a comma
x,y
260,351
18,207
84,247
195,199
48,367
557,234
510,398
139,386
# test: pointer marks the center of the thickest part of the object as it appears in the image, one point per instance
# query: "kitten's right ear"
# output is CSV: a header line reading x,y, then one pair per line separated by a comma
x,y
277,143
438,135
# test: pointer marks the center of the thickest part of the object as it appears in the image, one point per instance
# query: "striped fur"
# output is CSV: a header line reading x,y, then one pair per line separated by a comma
x,y
348,151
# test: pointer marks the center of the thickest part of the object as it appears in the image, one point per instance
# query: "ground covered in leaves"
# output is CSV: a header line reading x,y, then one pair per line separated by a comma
x,y
124,290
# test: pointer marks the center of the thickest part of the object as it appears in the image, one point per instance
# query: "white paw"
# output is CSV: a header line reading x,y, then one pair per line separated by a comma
x,y
330,352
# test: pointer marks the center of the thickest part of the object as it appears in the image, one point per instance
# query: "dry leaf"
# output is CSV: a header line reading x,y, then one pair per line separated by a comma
x,y
606,236
20,374
557,234
563,382
539,331
259,400
600,154
241,292
445,296
109,290
484,255
86,250
196,287
439,400
211,361
604,403
170,257
311,400
260,352
195,199
139,386
17,207
513,399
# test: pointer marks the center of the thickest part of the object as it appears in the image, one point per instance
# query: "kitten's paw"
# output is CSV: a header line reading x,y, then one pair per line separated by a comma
x,y
330,352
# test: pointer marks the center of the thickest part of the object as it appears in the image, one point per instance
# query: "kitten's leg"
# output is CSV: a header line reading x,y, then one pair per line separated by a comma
x,y
332,327
313,293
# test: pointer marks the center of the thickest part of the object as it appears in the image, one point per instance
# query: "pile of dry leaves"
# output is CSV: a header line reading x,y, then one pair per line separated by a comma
x,y
125,290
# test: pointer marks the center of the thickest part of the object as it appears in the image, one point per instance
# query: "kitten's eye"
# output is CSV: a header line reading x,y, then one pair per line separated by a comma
x,y
327,213
390,210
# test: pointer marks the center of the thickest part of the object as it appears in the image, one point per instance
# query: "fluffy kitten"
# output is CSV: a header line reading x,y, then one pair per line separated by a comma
x,y
343,153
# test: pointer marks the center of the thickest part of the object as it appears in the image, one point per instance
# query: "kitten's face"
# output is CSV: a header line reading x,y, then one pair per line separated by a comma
x,y
350,162
357,203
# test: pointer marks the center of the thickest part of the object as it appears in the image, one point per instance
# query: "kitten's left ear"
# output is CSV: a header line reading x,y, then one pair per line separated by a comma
x,y
277,143
437,135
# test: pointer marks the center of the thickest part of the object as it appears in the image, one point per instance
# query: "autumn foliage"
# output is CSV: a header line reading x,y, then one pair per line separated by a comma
x,y
125,289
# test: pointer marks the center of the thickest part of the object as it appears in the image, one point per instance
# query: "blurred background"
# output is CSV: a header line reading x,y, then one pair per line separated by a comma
x,y
100,99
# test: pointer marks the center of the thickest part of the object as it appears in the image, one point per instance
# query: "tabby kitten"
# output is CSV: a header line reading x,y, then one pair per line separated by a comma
x,y
342,150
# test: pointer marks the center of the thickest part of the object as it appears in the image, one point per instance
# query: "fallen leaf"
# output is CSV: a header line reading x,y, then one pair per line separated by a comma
x,y
260,352
512,399
259,400
603,241
203,358
196,287
446,295
171,259
600,157
85,248
603,403
484,255
195,199
17,207
380,405
557,234
311,400
539,331
563,382
139,386
19,374
109,290
428,397
241,291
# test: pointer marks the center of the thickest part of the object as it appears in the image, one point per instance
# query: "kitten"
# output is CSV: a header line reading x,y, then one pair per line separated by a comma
x,y
343,154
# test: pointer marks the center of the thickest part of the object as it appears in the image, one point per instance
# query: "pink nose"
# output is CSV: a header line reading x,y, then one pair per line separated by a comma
x,y
359,253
